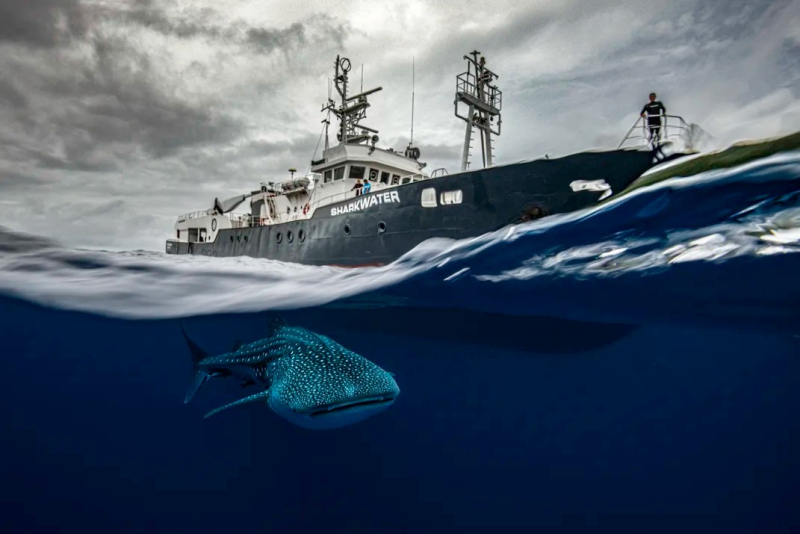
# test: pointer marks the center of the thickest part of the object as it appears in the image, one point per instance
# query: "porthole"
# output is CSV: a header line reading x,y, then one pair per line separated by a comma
x,y
238,238
213,225
231,239
289,236
279,237
246,239
347,229
381,227
301,235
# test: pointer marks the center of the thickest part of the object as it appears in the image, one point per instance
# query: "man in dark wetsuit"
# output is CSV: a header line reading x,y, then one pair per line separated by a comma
x,y
653,110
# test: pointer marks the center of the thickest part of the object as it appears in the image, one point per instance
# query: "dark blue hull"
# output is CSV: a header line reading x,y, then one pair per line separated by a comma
x,y
377,229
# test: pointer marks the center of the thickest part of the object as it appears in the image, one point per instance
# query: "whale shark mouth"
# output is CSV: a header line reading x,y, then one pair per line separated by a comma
x,y
349,405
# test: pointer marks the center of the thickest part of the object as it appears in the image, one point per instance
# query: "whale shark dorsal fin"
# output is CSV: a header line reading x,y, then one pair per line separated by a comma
x,y
252,398
237,344
198,354
274,323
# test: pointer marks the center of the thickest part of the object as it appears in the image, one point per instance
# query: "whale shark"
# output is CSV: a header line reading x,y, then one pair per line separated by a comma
x,y
312,381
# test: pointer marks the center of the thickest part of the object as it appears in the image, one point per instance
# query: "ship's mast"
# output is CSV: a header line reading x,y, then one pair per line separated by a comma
x,y
484,102
352,109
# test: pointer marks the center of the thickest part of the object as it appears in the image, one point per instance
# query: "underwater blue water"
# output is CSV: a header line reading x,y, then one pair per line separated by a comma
x,y
632,366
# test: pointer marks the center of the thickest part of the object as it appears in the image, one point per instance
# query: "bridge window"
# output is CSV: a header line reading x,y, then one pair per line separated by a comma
x,y
356,172
384,177
429,198
406,180
338,173
373,175
452,197
395,179
328,176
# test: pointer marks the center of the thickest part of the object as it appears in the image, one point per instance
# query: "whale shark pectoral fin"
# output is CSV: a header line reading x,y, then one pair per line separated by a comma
x,y
274,323
200,378
252,398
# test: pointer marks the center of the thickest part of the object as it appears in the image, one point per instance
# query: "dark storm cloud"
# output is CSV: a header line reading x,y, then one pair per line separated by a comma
x,y
318,30
132,108
266,40
116,108
114,105
184,25
41,23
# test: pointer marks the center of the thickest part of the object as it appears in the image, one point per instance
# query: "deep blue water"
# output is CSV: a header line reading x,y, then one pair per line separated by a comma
x,y
636,366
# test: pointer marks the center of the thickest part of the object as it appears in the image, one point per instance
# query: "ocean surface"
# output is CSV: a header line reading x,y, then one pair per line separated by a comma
x,y
632,366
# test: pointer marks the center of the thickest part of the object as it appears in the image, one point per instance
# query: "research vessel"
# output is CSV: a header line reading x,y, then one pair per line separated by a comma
x,y
331,217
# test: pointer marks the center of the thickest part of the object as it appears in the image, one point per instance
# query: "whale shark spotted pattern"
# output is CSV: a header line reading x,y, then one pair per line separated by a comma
x,y
313,381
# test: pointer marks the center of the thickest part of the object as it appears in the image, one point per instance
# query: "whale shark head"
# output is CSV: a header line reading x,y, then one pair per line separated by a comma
x,y
321,385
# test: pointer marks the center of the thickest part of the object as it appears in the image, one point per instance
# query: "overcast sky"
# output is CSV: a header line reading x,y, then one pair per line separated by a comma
x,y
117,116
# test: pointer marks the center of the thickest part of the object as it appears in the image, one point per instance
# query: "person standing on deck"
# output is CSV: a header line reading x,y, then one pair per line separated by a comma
x,y
653,110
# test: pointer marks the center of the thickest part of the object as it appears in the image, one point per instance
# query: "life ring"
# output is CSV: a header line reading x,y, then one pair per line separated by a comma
x,y
213,225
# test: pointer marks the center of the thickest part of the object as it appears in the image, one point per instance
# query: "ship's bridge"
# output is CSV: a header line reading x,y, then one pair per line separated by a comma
x,y
341,166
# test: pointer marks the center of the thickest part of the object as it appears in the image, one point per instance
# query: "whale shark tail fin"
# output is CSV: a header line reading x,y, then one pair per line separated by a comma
x,y
200,376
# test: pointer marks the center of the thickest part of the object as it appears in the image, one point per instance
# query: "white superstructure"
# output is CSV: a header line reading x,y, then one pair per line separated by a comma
x,y
356,160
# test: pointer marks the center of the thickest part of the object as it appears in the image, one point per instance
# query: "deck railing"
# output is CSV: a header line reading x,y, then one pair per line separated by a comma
x,y
490,95
672,127
345,195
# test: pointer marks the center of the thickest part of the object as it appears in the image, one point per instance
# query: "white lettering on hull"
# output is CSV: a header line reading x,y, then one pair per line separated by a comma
x,y
391,197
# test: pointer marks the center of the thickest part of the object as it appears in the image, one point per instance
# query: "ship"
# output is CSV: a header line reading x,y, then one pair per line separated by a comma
x,y
365,205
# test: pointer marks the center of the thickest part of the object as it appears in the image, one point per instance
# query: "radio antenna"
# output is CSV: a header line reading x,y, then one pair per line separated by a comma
x,y
362,77
413,84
